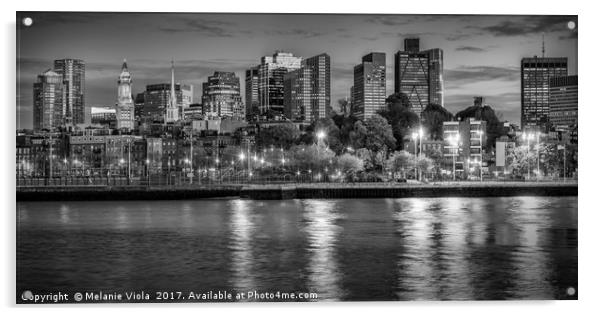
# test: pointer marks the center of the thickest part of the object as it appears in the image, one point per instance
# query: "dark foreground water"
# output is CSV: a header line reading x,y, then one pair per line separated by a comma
x,y
364,249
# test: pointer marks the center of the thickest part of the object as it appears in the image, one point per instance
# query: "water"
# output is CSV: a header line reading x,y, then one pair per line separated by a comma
x,y
363,249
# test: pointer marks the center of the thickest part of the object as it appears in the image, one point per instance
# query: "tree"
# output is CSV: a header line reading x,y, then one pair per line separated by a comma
x,y
495,128
400,116
350,164
328,126
375,135
345,107
433,117
520,160
401,161
311,157
279,136
424,164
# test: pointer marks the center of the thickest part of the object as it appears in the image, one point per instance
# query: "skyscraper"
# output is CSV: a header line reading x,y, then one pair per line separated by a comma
x,y
369,85
297,96
73,72
252,91
271,80
221,96
125,111
171,112
535,82
419,75
319,67
563,102
48,92
307,90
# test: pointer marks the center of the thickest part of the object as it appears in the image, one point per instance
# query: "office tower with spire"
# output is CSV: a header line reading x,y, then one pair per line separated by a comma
x,y
125,111
419,75
171,112
73,72
48,92
369,85
221,96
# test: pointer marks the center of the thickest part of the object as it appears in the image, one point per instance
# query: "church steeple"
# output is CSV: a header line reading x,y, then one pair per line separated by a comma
x,y
172,110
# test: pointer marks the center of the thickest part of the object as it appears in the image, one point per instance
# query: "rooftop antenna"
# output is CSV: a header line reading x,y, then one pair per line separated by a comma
x,y
543,45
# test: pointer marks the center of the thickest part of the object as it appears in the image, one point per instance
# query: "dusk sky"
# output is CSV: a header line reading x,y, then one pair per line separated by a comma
x,y
481,53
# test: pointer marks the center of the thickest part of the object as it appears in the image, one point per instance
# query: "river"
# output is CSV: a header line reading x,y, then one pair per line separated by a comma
x,y
347,249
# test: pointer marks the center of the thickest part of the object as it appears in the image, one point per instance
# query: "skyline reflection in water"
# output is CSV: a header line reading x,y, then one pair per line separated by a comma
x,y
362,249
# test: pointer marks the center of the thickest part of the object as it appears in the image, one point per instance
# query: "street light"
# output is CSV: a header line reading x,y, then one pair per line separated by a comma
x,y
414,137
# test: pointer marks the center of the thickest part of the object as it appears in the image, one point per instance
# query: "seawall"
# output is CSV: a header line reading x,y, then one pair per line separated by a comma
x,y
295,191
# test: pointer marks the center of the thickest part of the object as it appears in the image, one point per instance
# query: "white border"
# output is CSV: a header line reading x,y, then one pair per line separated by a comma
x,y
590,114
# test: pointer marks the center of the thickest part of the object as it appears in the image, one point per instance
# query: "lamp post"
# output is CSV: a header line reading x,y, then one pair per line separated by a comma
x,y
480,132
528,137
414,137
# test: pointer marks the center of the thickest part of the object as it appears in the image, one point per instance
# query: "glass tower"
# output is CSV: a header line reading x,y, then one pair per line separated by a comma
x,y
221,96
535,82
369,85
73,72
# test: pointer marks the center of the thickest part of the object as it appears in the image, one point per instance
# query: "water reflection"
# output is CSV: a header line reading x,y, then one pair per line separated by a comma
x,y
242,229
355,249
320,218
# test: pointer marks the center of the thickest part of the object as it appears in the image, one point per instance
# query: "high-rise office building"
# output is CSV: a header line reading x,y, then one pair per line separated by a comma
x,y
138,106
125,111
221,96
563,102
307,90
419,75
271,80
48,93
187,98
252,91
369,85
73,72
535,84
297,96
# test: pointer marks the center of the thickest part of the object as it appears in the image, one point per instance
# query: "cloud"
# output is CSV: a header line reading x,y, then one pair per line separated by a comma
x,y
210,28
463,75
470,49
296,32
506,105
529,25
391,20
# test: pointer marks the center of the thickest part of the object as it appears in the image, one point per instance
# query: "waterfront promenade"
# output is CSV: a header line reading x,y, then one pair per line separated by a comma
x,y
296,190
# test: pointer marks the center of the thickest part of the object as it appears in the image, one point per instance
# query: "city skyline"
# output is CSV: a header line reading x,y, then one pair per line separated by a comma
x,y
482,53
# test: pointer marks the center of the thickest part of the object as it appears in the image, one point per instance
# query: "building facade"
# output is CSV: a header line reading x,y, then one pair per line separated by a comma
x,y
369,85
464,143
125,111
419,75
221,96
563,102
157,98
48,105
271,73
535,89
307,90
73,72
251,91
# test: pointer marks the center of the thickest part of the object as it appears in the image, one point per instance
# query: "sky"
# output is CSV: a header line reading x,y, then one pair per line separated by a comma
x,y
482,53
